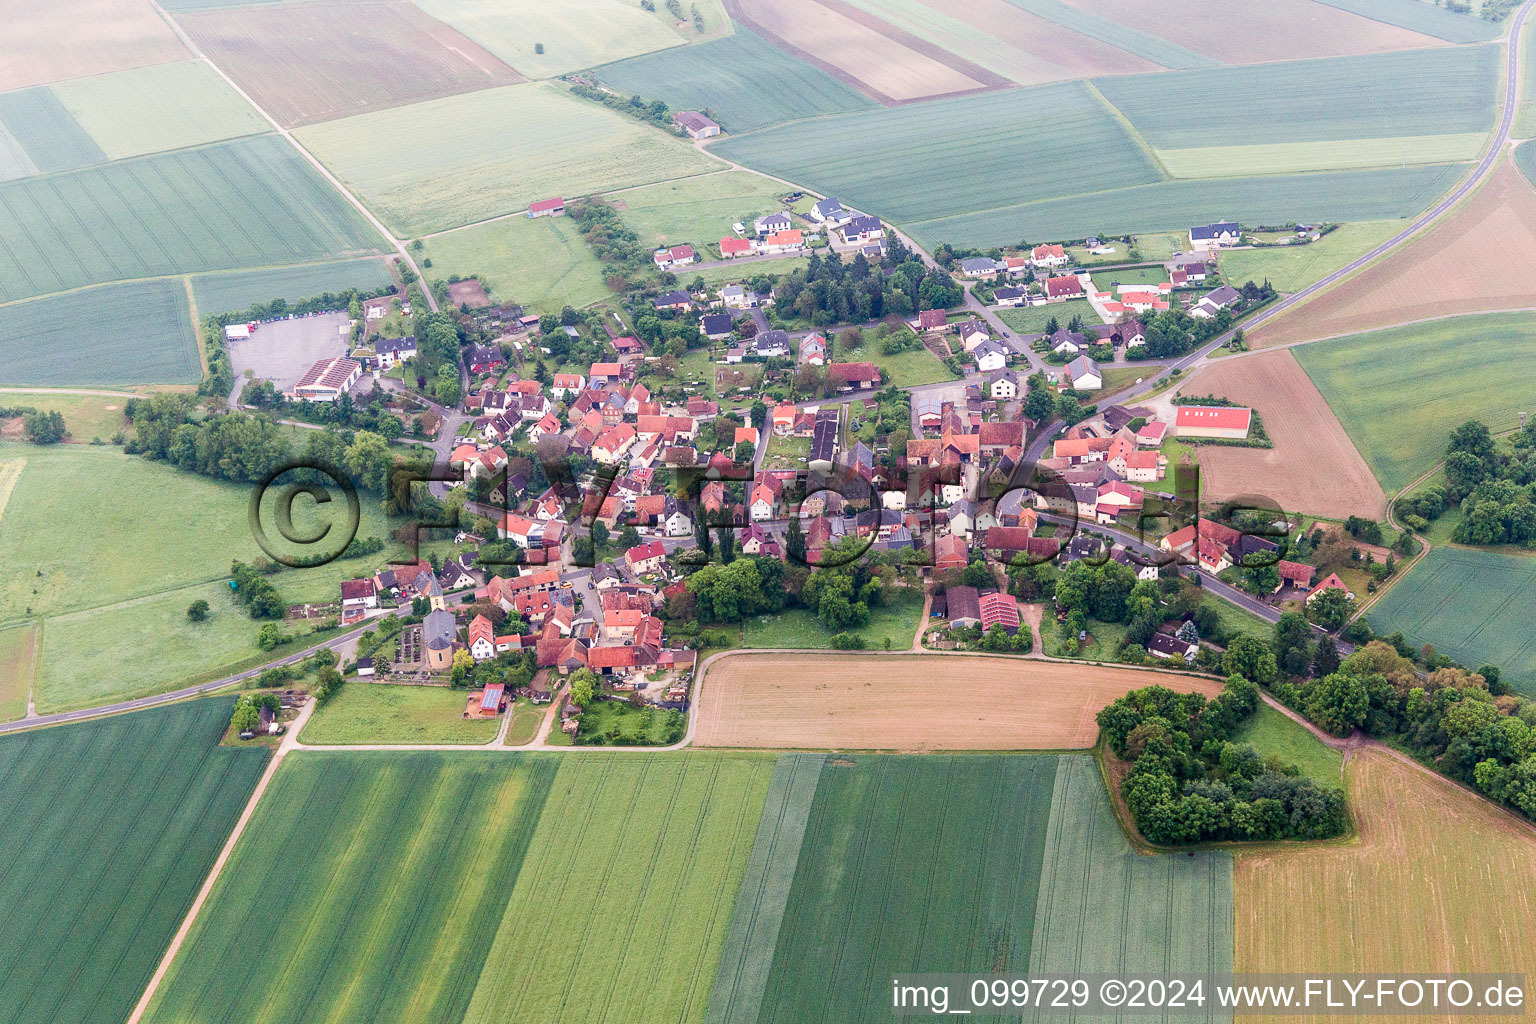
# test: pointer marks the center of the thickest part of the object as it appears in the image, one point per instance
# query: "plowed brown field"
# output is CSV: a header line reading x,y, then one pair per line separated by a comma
x,y
1481,257
912,702
1313,467
43,42
1439,881
1246,31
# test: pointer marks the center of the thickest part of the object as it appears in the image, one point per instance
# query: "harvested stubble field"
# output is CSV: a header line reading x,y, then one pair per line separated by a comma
x,y
1444,271
138,332
18,662
727,76
1473,605
392,870
899,163
311,62
1400,392
634,865
911,702
103,35
874,56
446,162
251,202
1439,879
1313,466
147,110
110,828
228,291
1247,31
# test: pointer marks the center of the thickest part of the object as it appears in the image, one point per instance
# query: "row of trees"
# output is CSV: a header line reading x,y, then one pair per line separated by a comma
x,y
1190,782
1495,487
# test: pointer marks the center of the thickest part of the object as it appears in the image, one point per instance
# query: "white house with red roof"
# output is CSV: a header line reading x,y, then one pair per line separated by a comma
x,y
792,240
1060,289
1048,257
732,247
567,384
669,257
1331,583
1151,434
648,557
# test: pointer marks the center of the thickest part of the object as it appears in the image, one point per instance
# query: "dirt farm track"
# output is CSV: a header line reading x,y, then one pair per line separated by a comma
x,y
912,702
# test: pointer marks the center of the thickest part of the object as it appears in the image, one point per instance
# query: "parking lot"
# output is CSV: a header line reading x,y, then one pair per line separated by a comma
x,y
281,350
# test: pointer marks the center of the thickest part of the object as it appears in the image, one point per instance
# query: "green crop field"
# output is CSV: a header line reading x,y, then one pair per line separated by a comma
x,y
240,289
901,163
1440,91
446,162
1271,199
1422,16
1472,605
1104,907
53,140
542,263
167,106
1132,40
382,713
1290,157
699,209
138,332
1399,392
1273,734
14,162
632,868
251,202
800,629
575,33
368,887
1033,319
727,76
906,866
1290,268
1525,159
110,828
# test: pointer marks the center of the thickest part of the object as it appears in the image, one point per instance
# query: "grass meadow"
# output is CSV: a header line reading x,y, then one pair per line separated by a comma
x,y
800,629
1440,91
231,290
1273,734
727,76
1291,157
85,416
1399,392
699,209
1473,605
136,332
384,713
901,162
634,866
234,204
1032,319
167,106
111,827
1291,268
468,158
18,663
542,264
368,887
1167,205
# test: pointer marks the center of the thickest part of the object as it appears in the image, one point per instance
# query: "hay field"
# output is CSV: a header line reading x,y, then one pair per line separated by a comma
x,y
1473,605
727,76
251,202
240,289
1439,879
576,33
138,332
901,163
1291,268
311,62
1246,31
111,827
147,110
85,415
1444,91
633,867
43,128
911,702
1443,271
870,54
446,162
1022,47
387,713
699,209
18,658
1313,466
1400,392
1290,157
393,867
1174,205
542,264
103,35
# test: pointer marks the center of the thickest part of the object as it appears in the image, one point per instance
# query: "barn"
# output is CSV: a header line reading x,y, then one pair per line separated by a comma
x,y
1216,421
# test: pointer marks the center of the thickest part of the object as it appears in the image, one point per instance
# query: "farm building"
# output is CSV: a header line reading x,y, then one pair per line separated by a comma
x,y
1223,233
695,124
327,380
854,376
963,607
999,610
1083,374
547,208
1221,421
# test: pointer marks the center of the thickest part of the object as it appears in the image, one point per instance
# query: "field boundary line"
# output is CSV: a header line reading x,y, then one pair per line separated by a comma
x,y
197,331
1130,129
